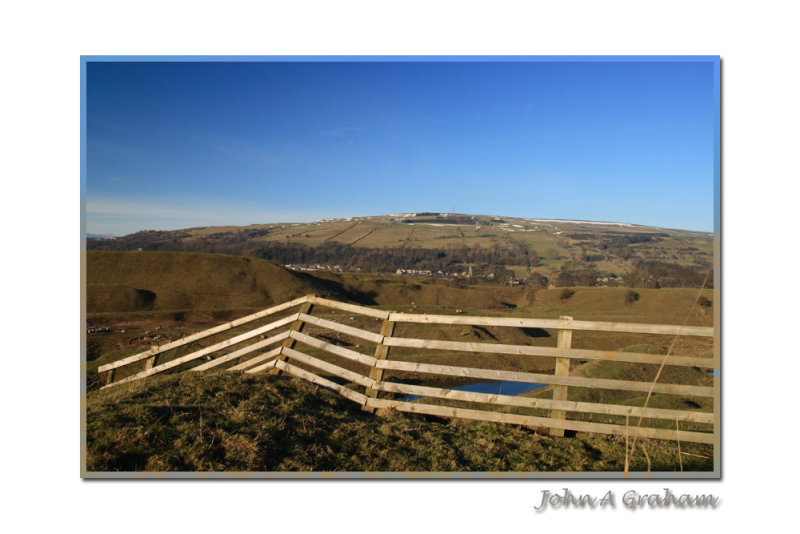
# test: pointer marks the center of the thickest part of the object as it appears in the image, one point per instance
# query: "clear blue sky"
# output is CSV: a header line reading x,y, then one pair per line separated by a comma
x,y
177,144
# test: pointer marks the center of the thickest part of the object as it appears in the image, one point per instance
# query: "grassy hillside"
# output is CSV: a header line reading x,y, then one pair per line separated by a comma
x,y
230,421
234,422
151,298
434,295
658,306
168,281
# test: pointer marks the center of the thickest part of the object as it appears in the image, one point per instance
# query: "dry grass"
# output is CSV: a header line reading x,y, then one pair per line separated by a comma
x,y
233,422
171,281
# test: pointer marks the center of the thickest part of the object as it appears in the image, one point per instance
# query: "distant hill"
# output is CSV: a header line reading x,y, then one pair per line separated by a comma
x,y
158,281
491,249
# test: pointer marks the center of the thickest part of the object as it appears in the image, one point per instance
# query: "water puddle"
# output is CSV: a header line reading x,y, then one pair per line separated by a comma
x,y
492,388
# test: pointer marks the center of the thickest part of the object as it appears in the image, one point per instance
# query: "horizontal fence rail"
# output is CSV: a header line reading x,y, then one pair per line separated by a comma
x,y
315,349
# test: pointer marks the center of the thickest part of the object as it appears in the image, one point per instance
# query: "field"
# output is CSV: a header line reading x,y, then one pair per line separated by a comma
x,y
139,299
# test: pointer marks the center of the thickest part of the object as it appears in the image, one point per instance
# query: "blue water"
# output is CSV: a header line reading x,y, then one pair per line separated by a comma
x,y
493,388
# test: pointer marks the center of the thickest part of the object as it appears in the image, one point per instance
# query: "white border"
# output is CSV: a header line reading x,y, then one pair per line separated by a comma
x,y
40,99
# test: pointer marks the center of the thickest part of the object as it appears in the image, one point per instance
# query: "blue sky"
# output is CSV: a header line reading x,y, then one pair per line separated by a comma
x,y
177,144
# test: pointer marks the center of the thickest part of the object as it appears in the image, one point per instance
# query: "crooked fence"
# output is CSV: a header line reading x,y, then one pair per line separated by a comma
x,y
314,344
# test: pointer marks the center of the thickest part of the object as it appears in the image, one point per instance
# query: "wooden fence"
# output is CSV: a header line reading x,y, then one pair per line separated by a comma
x,y
332,359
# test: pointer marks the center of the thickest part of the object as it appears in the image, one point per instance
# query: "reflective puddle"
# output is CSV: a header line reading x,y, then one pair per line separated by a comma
x,y
492,388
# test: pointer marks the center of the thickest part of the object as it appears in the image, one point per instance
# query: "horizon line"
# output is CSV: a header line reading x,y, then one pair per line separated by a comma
x,y
85,234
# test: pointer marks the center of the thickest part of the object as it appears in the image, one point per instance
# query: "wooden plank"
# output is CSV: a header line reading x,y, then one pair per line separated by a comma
x,y
241,352
554,324
297,326
381,353
208,350
328,367
265,366
531,350
533,421
347,393
200,335
547,404
331,348
562,369
353,308
344,329
258,359
536,378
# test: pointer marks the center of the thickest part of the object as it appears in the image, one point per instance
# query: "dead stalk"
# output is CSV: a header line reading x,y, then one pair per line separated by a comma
x,y
696,455
627,459
661,368
678,439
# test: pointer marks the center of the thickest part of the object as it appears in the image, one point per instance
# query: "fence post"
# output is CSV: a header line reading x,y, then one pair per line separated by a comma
x,y
151,361
381,353
110,376
289,343
562,369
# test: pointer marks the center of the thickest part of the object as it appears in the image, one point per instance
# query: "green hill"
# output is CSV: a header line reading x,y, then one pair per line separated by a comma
x,y
168,281
497,249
